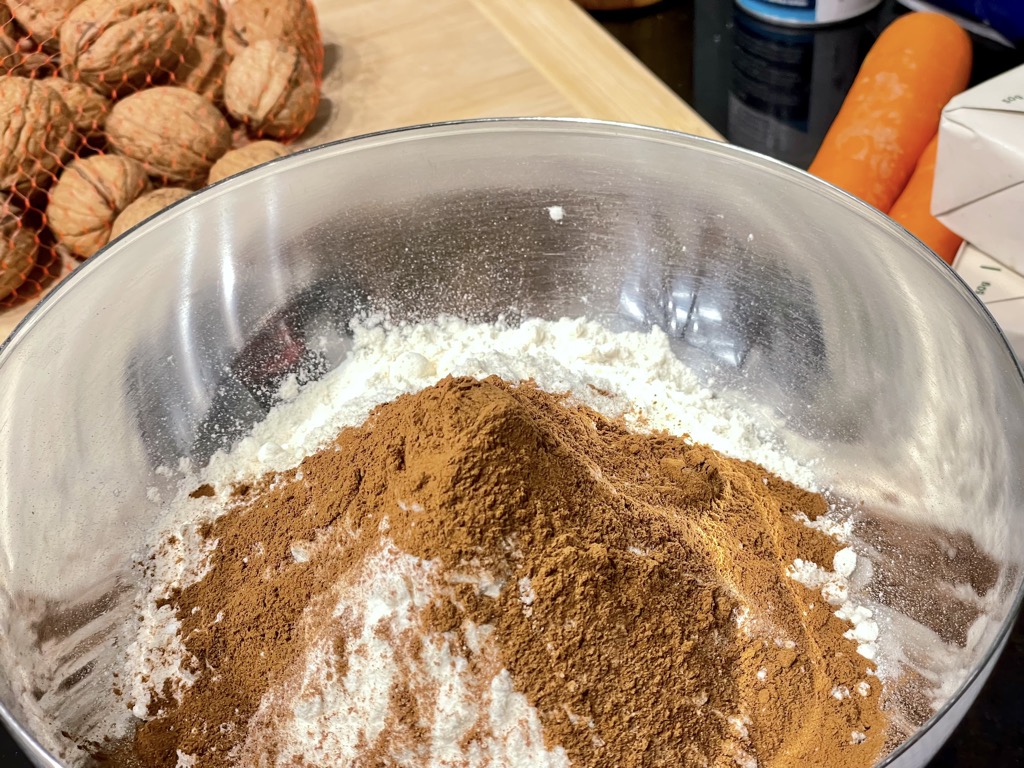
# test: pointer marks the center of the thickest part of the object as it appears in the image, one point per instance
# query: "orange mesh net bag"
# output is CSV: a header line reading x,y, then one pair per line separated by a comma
x,y
112,109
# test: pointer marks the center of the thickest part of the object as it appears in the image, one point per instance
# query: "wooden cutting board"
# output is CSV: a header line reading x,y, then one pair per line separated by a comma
x,y
391,63
415,61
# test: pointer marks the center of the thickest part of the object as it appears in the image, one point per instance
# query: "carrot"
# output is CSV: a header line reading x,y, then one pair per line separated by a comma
x,y
916,66
912,209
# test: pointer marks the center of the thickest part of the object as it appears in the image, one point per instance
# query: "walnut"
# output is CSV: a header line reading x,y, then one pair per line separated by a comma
x,y
35,64
37,132
118,46
42,19
270,87
243,158
8,53
18,248
203,68
176,134
88,108
200,17
22,59
147,205
20,55
90,194
290,21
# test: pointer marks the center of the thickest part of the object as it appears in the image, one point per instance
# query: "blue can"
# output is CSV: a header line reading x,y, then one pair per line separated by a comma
x,y
806,13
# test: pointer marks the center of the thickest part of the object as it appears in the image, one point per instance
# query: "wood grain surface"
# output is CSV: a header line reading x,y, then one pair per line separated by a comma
x,y
392,63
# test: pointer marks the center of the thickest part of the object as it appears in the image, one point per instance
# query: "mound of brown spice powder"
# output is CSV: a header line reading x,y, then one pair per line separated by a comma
x,y
658,626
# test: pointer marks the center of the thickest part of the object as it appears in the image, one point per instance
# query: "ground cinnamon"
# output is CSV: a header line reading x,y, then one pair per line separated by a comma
x,y
637,592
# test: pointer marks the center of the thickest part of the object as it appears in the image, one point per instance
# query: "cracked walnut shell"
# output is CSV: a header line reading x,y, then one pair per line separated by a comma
x,y
90,194
118,46
203,68
37,133
271,88
18,249
290,21
175,133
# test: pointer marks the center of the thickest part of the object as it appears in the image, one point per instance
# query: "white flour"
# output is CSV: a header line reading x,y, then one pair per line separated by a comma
x,y
632,375
644,378
835,588
382,609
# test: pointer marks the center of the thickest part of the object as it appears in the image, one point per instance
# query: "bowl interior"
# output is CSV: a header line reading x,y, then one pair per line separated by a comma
x,y
867,354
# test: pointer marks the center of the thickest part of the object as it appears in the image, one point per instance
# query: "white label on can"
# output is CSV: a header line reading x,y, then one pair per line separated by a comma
x,y
807,12
840,10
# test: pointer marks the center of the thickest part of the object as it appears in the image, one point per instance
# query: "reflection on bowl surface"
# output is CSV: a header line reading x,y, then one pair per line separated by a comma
x,y
850,356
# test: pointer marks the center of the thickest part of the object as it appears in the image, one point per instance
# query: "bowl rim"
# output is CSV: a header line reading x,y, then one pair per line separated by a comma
x,y
577,125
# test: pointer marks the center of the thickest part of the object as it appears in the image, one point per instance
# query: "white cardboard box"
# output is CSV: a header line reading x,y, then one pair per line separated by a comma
x,y
1000,289
979,173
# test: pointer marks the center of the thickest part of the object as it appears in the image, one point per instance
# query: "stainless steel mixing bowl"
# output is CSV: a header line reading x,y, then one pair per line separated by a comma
x,y
873,360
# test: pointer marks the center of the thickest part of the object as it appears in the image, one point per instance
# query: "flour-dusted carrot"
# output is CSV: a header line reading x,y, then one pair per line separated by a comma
x,y
916,66
912,209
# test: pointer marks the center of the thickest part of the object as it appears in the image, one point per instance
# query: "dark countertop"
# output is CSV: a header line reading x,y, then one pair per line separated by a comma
x,y
776,90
